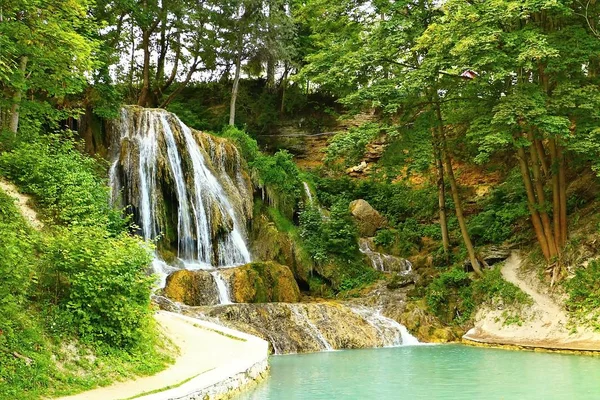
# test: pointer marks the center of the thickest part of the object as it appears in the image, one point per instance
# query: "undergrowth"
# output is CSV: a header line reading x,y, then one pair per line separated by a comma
x,y
75,297
454,295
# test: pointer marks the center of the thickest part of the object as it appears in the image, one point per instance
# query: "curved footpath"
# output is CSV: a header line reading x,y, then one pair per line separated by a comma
x,y
544,326
214,361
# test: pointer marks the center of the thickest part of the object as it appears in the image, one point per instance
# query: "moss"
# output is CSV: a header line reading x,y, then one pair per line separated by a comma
x,y
263,282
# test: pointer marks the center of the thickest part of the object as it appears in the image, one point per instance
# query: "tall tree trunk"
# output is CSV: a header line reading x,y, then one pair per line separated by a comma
x,y
562,184
531,203
270,73
455,194
236,82
441,194
143,99
539,188
17,96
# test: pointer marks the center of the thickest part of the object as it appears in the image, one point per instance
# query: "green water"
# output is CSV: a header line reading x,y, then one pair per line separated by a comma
x,y
430,372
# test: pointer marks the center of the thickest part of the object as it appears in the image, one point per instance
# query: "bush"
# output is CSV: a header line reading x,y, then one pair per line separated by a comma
x,y
501,210
351,145
453,296
277,175
450,296
384,238
584,295
102,282
66,183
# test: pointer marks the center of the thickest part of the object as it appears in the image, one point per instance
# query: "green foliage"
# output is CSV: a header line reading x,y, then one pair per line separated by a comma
x,y
453,296
331,238
502,209
78,288
583,289
450,296
384,238
396,201
66,183
351,145
101,282
276,174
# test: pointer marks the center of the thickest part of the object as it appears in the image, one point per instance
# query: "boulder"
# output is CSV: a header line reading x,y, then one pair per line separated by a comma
x,y
194,288
262,282
401,280
367,218
490,255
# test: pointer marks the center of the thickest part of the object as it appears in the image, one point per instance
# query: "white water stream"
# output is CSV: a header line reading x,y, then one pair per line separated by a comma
x,y
303,320
152,143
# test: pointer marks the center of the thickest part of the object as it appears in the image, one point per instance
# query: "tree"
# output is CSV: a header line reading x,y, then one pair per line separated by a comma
x,y
45,54
536,84
368,54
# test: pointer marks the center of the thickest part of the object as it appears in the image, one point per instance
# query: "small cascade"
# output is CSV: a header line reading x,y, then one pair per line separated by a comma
x,y
187,190
303,320
223,290
391,332
308,193
383,262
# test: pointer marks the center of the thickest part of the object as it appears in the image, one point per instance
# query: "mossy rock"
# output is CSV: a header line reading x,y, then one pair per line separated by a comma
x,y
194,288
262,282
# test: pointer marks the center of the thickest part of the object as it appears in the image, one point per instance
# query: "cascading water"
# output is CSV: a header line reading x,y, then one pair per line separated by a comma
x,y
222,289
308,193
303,320
383,262
392,333
186,190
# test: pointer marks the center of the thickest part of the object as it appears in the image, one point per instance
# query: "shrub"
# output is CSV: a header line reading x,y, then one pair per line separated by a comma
x,y
102,282
66,183
584,295
384,238
277,175
453,296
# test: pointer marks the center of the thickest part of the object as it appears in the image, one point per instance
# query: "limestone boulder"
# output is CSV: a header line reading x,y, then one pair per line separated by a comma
x,y
367,218
303,327
194,288
262,282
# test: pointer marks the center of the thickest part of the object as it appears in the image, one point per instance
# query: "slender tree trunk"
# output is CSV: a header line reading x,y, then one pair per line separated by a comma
x,y
539,188
455,194
143,99
17,96
271,73
441,194
132,62
531,203
562,184
542,157
236,82
283,89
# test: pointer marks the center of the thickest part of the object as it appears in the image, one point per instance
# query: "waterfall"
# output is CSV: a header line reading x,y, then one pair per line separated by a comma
x,y
222,288
391,332
303,320
186,189
308,193
383,262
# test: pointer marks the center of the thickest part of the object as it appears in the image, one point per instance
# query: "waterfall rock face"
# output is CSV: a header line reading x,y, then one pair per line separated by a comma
x,y
186,189
261,282
309,327
257,282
